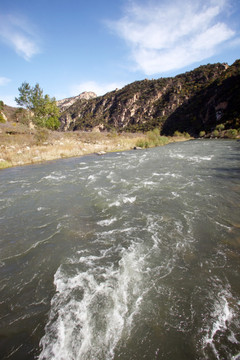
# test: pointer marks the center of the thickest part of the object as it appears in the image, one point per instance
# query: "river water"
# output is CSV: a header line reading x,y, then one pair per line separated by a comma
x,y
131,255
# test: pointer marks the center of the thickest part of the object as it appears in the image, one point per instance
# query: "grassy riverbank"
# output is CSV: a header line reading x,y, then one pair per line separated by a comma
x,y
20,145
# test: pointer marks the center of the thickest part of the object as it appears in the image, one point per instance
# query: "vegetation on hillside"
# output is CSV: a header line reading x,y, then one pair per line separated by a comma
x,y
2,120
195,101
217,103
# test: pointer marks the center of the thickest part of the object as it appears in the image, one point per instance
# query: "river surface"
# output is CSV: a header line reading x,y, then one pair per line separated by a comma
x,y
131,255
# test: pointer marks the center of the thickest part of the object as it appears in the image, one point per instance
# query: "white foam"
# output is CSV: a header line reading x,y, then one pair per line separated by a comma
x,y
92,178
130,200
176,156
173,175
55,177
123,200
198,159
84,168
221,316
148,183
195,158
115,203
107,222
90,325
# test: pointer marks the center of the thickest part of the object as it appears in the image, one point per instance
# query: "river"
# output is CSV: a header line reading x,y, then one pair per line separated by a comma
x,y
131,255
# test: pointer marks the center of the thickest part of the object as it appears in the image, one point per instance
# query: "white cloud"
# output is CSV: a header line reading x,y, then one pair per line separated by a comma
x,y
4,81
17,33
99,89
168,36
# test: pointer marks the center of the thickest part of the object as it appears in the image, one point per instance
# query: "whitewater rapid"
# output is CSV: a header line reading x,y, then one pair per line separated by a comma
x,y
130,255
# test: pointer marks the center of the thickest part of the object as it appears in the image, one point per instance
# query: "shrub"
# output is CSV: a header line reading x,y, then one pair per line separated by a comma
x,y
231,133
184,134
215,133
202,133
220,127
41,136
4,164
2,120
153,139
153,136
142,144
177,133
163,140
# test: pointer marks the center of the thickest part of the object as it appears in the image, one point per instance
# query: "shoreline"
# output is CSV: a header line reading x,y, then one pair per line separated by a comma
x,y
20,146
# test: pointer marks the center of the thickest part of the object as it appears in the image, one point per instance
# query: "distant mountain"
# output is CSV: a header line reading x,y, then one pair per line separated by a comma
x,y
193,101
66,103
10,113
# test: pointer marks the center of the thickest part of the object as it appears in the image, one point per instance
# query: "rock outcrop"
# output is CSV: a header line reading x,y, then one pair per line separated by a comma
x,y
193,101
66,103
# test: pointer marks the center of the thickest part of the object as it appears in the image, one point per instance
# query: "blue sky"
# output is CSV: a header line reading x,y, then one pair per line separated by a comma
x,y
71,46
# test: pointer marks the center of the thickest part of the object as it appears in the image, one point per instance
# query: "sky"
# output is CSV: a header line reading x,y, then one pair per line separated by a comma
x,y
71,46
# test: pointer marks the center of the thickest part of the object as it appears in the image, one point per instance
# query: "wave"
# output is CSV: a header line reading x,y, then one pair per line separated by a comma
x,y
93,309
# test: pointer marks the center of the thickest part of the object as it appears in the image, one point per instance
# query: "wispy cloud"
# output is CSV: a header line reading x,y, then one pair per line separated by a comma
x,y
169,35
16,31
99,89
4,81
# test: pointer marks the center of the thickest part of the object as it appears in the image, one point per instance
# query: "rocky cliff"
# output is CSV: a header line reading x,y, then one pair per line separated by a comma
x,y
193,101
66,103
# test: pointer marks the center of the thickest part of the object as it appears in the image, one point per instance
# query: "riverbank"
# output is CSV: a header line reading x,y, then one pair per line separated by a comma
x,y
22,146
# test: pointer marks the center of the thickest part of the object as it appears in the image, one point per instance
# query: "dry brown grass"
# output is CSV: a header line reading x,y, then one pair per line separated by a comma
x,y
20,146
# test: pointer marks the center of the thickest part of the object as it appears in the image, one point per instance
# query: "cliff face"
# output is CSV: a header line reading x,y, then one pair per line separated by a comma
x,y
193,101
66,103
217,103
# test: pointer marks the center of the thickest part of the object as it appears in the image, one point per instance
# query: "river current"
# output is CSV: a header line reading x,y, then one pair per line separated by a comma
x,y
131,255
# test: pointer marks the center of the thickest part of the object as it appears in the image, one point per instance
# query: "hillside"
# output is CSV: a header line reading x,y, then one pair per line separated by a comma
x,y
8,113
66,103
193,101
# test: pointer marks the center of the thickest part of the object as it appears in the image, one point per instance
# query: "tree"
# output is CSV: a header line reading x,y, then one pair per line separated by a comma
x,y
42,109
24,98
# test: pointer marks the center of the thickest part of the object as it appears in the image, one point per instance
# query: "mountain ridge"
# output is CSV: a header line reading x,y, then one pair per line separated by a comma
x,y
163,103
